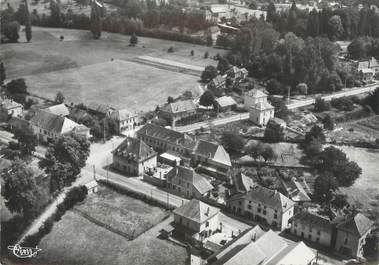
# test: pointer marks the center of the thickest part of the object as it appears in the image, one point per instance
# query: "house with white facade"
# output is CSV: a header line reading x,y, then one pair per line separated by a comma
x,y
133,157
212,159
352,233
124,119
196,220
176,111
48,126
260,110
313,228
267,206
9,108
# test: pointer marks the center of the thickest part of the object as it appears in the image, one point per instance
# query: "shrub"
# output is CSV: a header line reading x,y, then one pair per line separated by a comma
x,y
343,103
321,105
171,49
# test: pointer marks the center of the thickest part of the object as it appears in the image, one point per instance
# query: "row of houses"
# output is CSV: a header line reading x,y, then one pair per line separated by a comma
x,y
207,156
346,235
197,221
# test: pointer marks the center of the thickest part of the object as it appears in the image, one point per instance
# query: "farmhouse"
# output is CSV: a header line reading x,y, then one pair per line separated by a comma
x,y
351,235
264,205
186,182
48,126
176,111
196,220
133,157
226,103
163,140
9,108
212,159
124,119
266,249
313,228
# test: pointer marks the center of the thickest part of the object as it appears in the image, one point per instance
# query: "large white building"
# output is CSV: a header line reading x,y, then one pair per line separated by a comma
x,y
260,111
133,157
260,204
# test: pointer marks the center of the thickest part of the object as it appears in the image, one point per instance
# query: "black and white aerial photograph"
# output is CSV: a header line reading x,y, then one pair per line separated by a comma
x,y
189,132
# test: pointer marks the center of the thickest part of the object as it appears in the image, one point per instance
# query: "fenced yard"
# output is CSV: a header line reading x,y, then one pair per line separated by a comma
x,y
96,232
129,216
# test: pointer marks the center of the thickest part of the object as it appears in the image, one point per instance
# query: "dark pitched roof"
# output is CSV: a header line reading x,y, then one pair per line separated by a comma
x,y
242,182
134,149
271,198
189,175
121,115
179,106
213,151
165,134
100,108
358,225
197,211
18,122
313,220
52,123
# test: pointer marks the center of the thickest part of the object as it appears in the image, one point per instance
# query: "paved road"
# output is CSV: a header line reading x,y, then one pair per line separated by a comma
x,y
137,185
205,124
299,104
51,209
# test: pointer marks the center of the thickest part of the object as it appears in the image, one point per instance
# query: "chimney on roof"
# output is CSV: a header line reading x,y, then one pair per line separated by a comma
x,y
207,213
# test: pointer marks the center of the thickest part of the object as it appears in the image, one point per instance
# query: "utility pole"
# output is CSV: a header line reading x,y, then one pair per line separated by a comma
x,y
289,94
107,171
94,172
167,201
104,130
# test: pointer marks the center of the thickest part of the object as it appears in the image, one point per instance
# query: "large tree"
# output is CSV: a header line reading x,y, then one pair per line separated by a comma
x,y
96,19
28,24
324,187
2,73
26,141
335,27
209,73
335,161
59,98
207,99
21,191
232,142
64,159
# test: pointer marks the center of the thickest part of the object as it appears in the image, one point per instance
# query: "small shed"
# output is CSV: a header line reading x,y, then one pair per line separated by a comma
x,y
92,186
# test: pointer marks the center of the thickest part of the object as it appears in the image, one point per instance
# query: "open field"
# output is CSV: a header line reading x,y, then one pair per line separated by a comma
x,y
75,240
365,190
123,213
100,70
365,130
119,83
